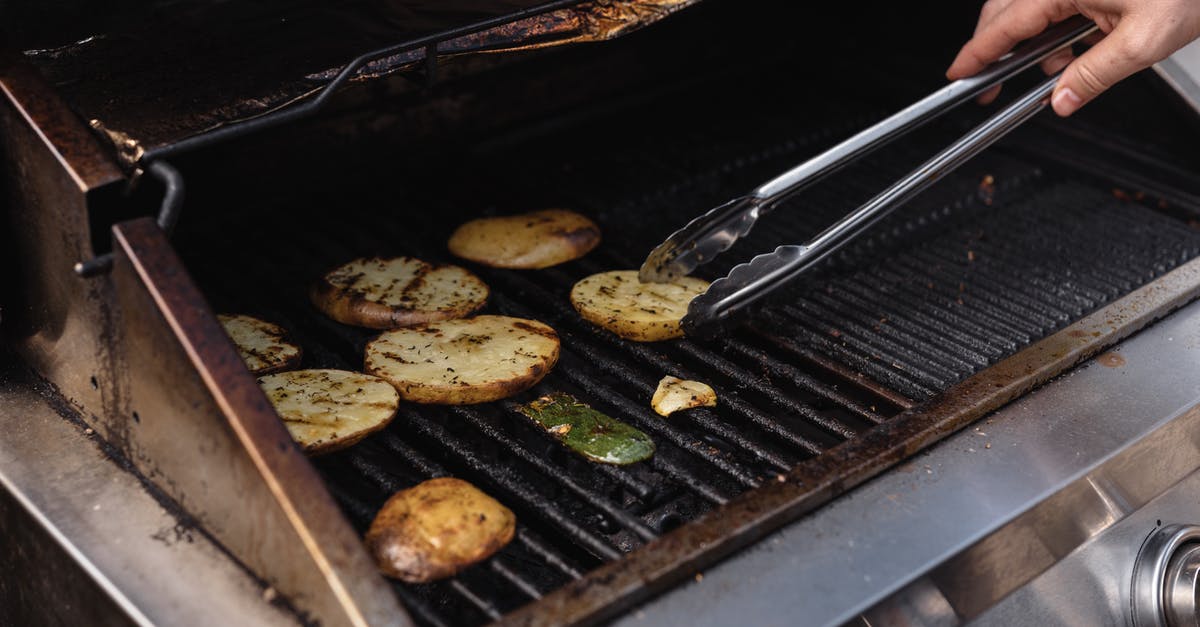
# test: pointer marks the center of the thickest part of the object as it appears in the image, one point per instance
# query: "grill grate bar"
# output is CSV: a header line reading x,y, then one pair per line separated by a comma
x,y
802,380
951,299
987,288
479,602
499,567
744,378
914,324
1002,309
643,491
427,467
1019,292
863,323
909,365
517,488
862,362
620,515
1081,292
941,320
540,548
424,614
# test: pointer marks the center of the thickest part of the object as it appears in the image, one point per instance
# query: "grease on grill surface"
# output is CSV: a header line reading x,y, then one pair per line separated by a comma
x,y
674,394
261,344
329,410
459,362
528,241
437,528
643,312
386,293
588,432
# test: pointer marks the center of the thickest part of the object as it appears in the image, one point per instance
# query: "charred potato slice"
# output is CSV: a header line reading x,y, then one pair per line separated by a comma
x,y
261,344
437,528
643,312
528,241
387,293
460,362
675,394
329,410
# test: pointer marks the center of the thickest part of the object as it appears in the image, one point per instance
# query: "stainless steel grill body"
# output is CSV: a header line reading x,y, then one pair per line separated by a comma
x,y
1058,243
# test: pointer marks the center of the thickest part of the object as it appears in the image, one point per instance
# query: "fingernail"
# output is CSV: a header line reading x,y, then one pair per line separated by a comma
x,y
1066,101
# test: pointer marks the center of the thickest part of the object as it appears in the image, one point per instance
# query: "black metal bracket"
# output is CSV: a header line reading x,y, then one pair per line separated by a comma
x,y
168,215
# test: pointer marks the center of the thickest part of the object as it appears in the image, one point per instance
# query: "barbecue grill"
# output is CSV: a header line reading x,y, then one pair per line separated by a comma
x,y
141,198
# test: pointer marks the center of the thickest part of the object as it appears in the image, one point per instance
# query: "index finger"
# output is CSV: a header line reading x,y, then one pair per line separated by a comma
x,y
1017,22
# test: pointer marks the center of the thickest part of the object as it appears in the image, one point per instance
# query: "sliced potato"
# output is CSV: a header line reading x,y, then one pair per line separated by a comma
x,y
459,362
329,410
386,293
674,394
437,528
589,432
527,241
261,344
643,312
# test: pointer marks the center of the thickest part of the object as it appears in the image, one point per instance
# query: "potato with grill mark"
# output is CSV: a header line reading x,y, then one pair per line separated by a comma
x,y
261,344
460,362
329,410
643,312
437,528
527,241
388,293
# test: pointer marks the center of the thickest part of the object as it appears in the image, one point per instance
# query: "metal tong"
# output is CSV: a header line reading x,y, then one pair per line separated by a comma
x,y
707,236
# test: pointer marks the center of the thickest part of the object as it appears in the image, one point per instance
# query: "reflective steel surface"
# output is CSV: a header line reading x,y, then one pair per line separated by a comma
x,y
153,567
968,496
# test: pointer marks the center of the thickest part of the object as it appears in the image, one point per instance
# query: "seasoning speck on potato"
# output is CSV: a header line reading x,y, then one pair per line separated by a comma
x,y
261,344
387,293
437,528
329,410
675,394
459,362
528,241
643,312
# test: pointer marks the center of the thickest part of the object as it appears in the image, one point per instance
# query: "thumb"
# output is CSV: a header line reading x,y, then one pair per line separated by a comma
x,y
1113,58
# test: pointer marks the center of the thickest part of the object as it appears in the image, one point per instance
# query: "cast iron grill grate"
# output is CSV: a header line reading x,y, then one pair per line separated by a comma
x,y
965,276
944,291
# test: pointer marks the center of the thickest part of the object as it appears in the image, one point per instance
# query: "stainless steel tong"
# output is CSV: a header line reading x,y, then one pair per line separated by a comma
x,y
707,236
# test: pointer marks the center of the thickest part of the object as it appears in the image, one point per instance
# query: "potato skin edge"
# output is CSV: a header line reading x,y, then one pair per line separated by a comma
x,y
352,309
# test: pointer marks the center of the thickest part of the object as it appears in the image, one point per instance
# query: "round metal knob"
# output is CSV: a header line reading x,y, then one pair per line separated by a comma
x,y
1166,579
1181,587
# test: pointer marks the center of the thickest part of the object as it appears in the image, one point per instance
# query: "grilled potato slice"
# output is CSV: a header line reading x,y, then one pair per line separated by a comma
x,y
674,394
329,410
643,312
528,241
261,344
459,362
437,528
386,293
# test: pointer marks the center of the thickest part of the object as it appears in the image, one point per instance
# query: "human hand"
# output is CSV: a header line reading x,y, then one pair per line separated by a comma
x,y
1137,34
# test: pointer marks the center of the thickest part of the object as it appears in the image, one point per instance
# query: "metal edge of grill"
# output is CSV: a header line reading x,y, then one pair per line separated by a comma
x,y
612,587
